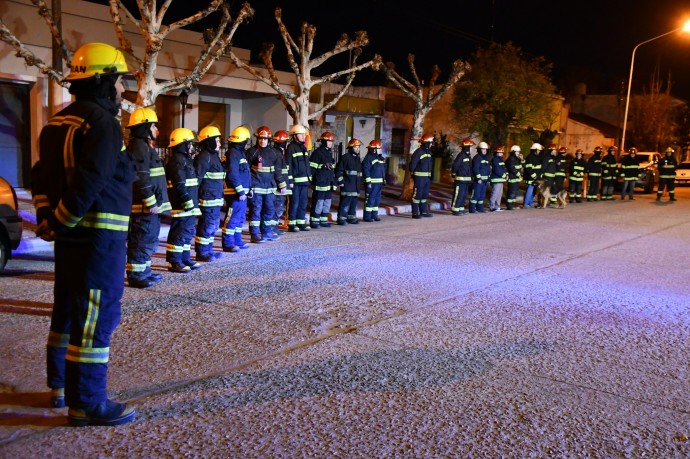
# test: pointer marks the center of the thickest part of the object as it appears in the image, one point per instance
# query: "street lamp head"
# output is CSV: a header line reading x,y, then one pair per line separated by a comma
x,y
686,26
183,98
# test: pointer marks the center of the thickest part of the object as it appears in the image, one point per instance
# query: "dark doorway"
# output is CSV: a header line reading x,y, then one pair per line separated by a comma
x,y
15,133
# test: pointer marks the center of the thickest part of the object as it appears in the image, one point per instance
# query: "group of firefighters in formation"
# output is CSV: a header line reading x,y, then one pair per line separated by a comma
x,y
258,183
104,215
472,175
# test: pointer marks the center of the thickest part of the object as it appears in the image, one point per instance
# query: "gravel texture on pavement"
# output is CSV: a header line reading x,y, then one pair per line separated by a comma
x,y
532,333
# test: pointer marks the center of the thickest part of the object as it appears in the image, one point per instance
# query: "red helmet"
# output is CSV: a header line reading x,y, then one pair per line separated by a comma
x,y
427,138
376,143
327,136
500,149
597,149
552,146
263,133
354,143
563,149
467,143
281,136
579,150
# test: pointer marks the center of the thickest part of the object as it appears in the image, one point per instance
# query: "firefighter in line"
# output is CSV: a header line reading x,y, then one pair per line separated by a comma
x,y
421,165
549,177
211,174
82,190
322,167
594,174
514,167
348,173
266,178
297,158
548,169
374,174
481,169
462,175
532,174
576,174
183,189
497,177
239,183
667,175
609,172
630,170
150,198
280,139
561,168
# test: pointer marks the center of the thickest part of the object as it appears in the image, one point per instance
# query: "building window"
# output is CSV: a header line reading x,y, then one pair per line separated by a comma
x,y
398,142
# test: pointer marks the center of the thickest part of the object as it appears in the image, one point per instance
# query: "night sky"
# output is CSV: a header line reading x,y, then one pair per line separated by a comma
x,y
590,41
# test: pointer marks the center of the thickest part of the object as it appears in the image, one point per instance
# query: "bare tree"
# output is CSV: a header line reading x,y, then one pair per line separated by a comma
x,y
299,55
425,97
653,115
25,53
154,32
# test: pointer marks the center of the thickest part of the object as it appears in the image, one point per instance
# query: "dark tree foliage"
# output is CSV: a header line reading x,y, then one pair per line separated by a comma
x,y
505,93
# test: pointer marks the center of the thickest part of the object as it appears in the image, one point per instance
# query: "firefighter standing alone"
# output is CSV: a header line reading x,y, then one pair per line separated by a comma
x,y
82,189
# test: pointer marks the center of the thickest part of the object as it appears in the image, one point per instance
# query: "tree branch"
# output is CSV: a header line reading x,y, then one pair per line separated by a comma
x,y
342,45
405,86
273,84
220,42
125,44
215,4
335,100
289,42
45,13
29,58
375,63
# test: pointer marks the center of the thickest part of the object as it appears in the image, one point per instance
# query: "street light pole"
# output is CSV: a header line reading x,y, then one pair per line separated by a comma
x,y
183,103
685,28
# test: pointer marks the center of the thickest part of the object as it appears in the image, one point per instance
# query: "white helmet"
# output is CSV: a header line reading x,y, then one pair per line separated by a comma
x,y
515,148
536,146
483,145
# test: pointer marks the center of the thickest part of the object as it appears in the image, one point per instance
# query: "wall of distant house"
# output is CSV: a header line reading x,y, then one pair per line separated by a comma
x,y
578,135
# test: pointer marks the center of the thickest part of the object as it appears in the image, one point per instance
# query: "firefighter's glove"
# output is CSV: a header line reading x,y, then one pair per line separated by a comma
x,y
44,231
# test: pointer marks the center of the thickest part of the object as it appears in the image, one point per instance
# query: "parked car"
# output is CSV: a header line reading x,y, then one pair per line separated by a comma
x,y
683,173
649,170
10,222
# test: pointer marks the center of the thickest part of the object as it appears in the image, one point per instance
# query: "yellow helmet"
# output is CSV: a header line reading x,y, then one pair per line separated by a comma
x,y
180,135
239,134
94,59
142,115
209,131
298,129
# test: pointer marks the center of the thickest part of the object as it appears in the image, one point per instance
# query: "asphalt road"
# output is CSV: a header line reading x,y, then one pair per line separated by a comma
x,y
531,333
